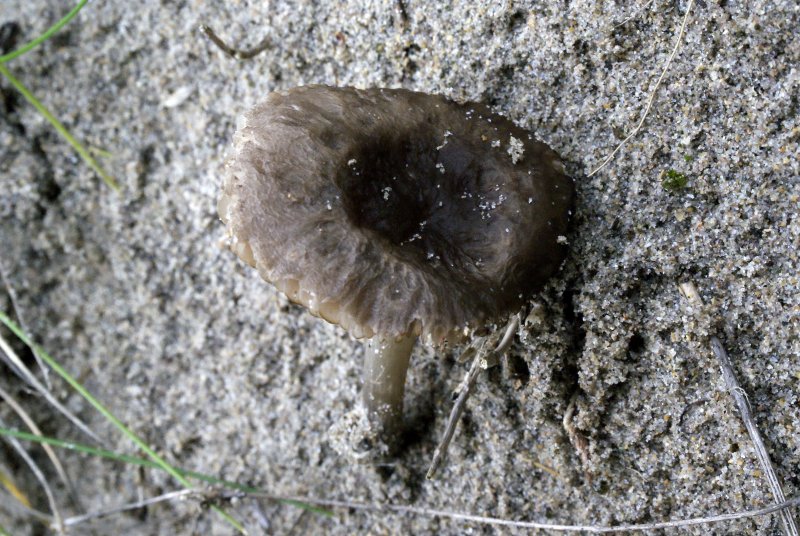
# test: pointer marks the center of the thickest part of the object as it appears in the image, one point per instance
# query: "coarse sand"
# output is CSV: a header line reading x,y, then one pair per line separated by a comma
x,y
135,293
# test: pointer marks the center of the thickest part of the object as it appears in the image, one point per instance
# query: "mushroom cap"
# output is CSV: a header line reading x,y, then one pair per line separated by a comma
x,y
393,212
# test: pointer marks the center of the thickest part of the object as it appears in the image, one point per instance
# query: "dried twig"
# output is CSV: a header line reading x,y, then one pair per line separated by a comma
x,y
483,359
455,415
652,93
689,290
235,53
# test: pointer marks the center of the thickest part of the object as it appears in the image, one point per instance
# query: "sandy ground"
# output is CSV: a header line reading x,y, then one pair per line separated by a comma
x,y
135,294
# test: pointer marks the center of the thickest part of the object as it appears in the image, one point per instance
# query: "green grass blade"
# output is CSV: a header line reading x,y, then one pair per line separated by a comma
x,y
61,129
75,384
103,453
45,36
102,153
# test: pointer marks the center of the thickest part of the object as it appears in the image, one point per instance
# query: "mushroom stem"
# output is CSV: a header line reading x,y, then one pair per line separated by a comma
x,y
385,369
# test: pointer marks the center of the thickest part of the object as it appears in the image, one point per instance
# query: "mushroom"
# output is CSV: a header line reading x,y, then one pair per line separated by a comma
x,y
396,215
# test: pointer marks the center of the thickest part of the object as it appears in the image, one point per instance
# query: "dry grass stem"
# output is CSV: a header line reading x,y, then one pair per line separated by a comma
x,y
9,503
485,520
12,296
37,472
689,290
455,415
634,14
26,418
482,360
16,364
171,496
652,93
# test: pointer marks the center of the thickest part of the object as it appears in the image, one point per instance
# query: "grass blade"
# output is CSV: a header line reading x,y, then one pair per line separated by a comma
x,y
18,494
60,128
45,36
111,455
75,384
